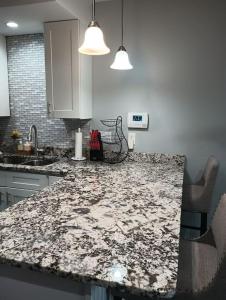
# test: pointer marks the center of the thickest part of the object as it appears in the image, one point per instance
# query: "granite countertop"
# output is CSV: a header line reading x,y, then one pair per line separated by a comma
x,y
112,225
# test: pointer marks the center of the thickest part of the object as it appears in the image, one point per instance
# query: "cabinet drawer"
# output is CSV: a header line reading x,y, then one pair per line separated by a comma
x,y
3,178
27,181
15,195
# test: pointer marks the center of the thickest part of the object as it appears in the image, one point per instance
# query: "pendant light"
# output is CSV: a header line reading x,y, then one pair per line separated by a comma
x,y
94,43
122,61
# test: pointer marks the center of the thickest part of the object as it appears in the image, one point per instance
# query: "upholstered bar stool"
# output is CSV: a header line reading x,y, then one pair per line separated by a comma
x,y
202,262
197,197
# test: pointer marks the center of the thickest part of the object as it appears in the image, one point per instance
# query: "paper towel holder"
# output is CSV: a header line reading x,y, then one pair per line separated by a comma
x,y
78,159
78,147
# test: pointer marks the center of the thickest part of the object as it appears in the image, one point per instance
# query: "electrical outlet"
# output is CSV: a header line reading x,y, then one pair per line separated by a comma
x,y
131,140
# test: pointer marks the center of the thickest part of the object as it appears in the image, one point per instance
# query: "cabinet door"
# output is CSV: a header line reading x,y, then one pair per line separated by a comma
x,y
3,178
62,68
26,181
15,195
3,204
4,88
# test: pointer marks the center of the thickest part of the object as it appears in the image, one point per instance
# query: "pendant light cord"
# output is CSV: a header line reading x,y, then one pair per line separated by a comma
x,y
94,11
122,21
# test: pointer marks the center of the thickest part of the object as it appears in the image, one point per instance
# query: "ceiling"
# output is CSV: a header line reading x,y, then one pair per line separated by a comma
x,y
31,17
31,14
22,2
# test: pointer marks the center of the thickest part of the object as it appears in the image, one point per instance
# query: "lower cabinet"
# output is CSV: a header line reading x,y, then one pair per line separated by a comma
x,y
2,198
15,186
27,181
15,195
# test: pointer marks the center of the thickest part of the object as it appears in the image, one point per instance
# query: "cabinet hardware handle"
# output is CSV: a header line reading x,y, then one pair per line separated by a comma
x,y
7,199
49,107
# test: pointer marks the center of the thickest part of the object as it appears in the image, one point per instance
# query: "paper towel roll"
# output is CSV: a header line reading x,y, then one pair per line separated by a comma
x,y
78,144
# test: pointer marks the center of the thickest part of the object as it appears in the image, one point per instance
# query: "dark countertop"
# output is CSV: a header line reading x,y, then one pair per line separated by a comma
x,y
114,225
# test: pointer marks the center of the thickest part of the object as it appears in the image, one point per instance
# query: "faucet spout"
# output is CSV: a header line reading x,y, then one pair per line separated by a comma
x,y
33,137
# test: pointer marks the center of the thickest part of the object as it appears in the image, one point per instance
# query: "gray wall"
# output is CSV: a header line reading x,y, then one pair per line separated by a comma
x,y
178,49
27,90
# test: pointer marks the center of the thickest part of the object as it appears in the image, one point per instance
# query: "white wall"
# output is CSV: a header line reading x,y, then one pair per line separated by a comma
x,y
80,8
178,49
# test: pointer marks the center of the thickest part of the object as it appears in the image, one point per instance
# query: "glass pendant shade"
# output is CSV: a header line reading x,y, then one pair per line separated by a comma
x,y
94,43
121,61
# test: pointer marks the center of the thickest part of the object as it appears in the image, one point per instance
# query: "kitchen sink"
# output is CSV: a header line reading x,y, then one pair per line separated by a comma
x,y
27,161
40,162
15,160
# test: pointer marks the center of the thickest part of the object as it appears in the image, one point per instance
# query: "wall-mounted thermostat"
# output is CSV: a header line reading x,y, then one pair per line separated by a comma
x,y
137,120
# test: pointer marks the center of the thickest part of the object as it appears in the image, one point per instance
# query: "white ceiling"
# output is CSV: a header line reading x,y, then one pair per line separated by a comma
x,y
30,17
30,14
22,2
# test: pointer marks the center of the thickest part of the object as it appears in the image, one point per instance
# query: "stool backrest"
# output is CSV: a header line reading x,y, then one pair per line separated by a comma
x,y
217,289
202,263
210,175
218,227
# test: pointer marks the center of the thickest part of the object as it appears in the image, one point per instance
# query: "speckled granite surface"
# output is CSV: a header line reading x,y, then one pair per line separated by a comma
x,y
113,225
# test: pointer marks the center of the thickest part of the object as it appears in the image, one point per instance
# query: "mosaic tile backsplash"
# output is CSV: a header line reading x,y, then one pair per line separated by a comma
x,y
26,67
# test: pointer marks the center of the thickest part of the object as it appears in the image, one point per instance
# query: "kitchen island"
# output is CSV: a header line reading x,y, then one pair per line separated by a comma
x,y
115,226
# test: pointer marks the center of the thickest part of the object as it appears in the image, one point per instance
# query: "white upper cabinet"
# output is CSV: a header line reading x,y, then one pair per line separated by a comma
x,y
68,73
4,87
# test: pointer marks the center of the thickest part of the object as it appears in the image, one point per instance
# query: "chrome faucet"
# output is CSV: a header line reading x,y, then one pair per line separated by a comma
x,y
33,129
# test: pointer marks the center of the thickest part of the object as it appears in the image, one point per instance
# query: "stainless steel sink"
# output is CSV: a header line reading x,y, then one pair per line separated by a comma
x,y
15,160
27,161
40,162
